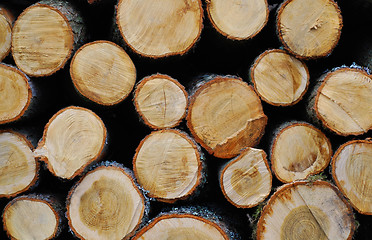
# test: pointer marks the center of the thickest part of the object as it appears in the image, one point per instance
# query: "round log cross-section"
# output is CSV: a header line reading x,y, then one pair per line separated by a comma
x,y
160,28
225,115
309,29
5,34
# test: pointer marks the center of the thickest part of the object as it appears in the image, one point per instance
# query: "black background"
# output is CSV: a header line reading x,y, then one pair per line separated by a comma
x,y
212,54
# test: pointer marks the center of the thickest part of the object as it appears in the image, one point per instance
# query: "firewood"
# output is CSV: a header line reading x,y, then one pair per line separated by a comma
x,y
6,22
181,226
309,29
167,164
225,115
298,151
44,36
18,168
105,204
160,28
238,19
351,170
32,217
279,78
246,180
15,94
103,72
73,138
303,210
161,101
343,101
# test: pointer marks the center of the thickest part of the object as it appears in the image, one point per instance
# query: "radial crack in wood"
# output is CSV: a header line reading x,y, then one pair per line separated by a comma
x,y
181,226
343,102
28,217
225,115
161,101
303,210
18,167
105,204
103,72
238,20
351,170
15,94
309,29
167,164
246,180
299,150
73,138
279,78
160,28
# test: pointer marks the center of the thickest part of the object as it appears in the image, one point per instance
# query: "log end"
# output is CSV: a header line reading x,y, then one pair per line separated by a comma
x,y
105,204
42,40
5,36
167,164
73,138
309,29
19,169
15,94
159,29
246,181
103,72
161,101
238,19
279,78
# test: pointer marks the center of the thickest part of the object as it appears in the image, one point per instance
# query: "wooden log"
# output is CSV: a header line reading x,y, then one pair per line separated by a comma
x,y
298,151
73,138
303,210
161,101
279,78
246,180
6,22
167,164
160,28
106,204
18,169
343,101
45,35
309,29
32,217
351,167
15,93
225,115
103,72
181,226
238,19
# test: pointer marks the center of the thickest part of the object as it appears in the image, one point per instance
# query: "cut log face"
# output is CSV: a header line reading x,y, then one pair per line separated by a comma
x,y
343,101
73,138
181,226
5,36
160,28
303,210
299,150
103,72
30,218
167,164
351,170
309,29
279,78
246,180
15,94
225,115
238,19
161,101
18,167
42,40
105,204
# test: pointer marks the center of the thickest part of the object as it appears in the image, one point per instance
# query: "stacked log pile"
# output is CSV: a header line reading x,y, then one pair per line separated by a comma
x,y
185,119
